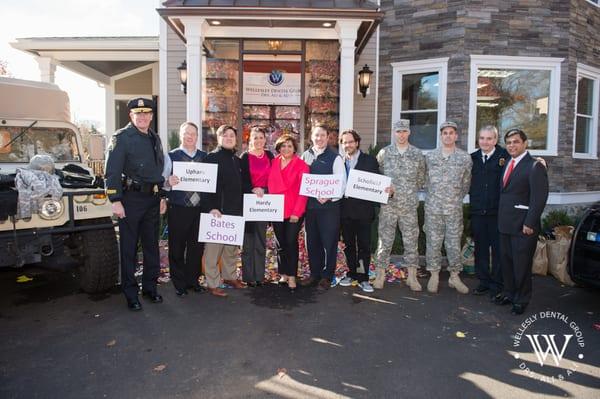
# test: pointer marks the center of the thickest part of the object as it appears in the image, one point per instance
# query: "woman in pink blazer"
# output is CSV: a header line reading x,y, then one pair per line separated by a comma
x,y
285,178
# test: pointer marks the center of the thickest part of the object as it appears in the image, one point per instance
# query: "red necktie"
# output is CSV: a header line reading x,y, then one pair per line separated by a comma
x,y
510,169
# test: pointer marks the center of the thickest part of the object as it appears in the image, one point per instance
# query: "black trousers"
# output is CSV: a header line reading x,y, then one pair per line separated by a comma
x,y
357,239
286,234
516,258
486,236
185,252
253,251
322,236
141,223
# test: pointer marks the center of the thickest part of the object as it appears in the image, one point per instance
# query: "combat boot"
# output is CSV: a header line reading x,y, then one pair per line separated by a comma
x,y
434,281
412,281
379,279
454,282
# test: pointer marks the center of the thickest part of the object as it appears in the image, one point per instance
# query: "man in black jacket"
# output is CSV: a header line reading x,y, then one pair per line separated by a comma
x,y
523,195
357,215
486,174
226,200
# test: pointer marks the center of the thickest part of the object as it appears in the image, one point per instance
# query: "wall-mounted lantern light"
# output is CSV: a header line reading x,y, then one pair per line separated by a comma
x,y
364,79
182,69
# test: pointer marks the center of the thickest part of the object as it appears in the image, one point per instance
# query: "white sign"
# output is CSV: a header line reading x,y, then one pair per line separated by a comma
x,y
322,186
195,176
224,230
367,186
277,87
269,208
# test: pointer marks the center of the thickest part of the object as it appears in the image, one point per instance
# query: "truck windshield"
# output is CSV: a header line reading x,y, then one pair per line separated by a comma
x,y
59,143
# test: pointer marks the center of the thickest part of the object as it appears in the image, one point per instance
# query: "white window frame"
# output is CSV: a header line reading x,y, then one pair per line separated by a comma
x,y
584,71
439,65
508,62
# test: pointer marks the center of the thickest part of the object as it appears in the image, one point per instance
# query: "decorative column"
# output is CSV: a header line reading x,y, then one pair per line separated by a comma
x,y
47,69
195,27
347,31
109,99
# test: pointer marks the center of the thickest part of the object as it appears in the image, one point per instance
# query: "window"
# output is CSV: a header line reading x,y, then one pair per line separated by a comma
x,y
518,92
419,94
586,113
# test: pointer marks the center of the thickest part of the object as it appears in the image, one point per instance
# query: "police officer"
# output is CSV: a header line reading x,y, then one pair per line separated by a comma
x,y
134,169
448,181
405,164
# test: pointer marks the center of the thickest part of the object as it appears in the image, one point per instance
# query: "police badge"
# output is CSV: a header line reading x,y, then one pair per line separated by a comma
x,y
501,161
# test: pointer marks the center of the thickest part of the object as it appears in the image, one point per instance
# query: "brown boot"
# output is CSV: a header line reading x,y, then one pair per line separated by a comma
x,y
455,282
434,282
217,292
379,279
235,283
412,281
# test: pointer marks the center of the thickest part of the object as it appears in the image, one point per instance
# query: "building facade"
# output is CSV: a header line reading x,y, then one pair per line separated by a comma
x,y
533,64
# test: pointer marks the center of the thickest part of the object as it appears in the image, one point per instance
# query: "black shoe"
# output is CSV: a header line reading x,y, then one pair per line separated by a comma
x,y
199,288
180,293
251,284
517,309
324,284
501,300
134,305
152,296
260,283
480,290
309,282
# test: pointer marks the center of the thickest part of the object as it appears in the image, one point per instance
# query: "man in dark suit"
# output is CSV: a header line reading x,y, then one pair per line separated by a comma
x,y
486,175
357,215
523,195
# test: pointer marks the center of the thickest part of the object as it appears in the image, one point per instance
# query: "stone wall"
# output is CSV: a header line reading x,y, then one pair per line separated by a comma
x,y
422,29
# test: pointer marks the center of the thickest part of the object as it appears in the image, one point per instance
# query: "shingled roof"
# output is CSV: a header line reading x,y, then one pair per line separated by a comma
x,y
321,4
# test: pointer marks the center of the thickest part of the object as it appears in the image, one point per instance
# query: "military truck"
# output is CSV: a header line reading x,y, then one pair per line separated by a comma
x,y
75,232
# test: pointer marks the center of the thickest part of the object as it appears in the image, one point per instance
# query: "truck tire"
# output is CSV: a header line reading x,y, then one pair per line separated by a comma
x,y
99,259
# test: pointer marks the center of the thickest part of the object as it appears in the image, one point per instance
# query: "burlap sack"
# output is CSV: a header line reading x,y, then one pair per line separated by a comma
x,y
540,258
558,259
563,232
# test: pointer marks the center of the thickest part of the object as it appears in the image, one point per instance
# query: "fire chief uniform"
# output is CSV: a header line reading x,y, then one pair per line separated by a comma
x,y
134,169
484,194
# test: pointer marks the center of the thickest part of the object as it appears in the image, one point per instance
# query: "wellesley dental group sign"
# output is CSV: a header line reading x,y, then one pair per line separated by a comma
x,y
556,342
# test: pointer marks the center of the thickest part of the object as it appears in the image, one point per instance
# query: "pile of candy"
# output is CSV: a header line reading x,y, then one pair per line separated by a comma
x,y
394,272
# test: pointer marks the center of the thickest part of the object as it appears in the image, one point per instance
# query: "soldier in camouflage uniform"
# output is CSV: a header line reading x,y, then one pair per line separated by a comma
x,y
405,164
448,181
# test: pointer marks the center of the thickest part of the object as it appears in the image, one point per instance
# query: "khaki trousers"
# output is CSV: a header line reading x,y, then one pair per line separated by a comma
x,y
228,255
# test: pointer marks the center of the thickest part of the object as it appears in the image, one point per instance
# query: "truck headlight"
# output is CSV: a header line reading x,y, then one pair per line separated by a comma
x,y
51,209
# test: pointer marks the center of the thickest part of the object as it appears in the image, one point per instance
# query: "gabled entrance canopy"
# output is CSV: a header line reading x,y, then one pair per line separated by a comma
x,y
351,22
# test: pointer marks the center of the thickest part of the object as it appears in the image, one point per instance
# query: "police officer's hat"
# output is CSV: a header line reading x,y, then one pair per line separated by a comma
x,y
137,105
402,125
449,124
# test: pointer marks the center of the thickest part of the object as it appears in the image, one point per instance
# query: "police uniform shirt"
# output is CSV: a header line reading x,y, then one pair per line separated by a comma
x,y
135,155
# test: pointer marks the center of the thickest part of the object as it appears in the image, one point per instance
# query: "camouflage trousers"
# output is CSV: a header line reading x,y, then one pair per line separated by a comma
x,y
446,229
407,221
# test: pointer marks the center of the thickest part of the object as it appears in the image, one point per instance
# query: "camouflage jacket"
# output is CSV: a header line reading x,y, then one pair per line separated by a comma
x,y
407,172
448,181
